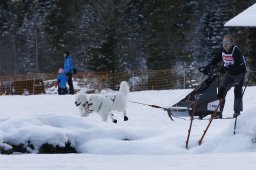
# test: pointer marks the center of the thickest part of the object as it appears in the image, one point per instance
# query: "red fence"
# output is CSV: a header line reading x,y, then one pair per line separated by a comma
x,y
138,80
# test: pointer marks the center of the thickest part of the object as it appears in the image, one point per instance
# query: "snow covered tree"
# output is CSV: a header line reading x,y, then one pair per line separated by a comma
x,y
8,39
167,24
115,35
111,31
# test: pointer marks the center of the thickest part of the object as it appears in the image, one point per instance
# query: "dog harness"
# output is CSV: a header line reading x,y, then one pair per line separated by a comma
x,y
99,107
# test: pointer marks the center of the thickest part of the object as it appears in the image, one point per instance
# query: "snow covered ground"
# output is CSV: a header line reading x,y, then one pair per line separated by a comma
x,y
149,140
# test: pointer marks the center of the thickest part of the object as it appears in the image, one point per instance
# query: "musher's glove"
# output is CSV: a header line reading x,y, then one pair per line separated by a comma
x,y
205,70
223,69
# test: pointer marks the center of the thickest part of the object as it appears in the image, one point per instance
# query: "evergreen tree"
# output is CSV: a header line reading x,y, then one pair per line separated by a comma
x,y
116,35
60,29
167,24
110,30
7,33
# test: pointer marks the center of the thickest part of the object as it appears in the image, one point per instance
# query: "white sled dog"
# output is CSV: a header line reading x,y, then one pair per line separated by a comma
x,y
80,102
104,104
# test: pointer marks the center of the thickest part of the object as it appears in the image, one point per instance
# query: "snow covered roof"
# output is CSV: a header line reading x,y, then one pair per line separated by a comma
x,y
247,18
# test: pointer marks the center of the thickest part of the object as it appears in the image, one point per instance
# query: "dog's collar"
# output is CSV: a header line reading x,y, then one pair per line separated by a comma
x,y
99,107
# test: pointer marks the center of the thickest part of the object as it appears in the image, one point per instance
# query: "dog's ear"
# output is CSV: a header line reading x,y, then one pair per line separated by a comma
x,y
89,99
94,99
82,91
84,96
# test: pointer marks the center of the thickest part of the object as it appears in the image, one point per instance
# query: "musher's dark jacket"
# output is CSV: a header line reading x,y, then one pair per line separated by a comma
x,y
233,60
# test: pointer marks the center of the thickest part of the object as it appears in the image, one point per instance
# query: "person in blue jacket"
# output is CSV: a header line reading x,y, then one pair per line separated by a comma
x,y
68,69
62,81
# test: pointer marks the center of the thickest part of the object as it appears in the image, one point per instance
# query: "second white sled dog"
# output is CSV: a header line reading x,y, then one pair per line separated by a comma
x,y
104,104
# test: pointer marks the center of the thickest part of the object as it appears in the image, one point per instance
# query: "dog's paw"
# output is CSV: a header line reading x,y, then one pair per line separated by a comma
x,y
125,118
115,121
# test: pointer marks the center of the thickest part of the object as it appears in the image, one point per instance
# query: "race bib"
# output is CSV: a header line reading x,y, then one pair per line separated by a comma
x,y
227,59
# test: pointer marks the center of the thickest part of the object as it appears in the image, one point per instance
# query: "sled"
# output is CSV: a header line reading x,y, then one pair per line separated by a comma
x,y
204,97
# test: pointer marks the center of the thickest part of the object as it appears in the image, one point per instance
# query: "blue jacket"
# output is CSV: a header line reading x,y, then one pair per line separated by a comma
x,y
68,64
62,80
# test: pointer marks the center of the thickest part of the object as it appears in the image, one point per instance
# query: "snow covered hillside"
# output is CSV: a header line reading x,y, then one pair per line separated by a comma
x,y
149,137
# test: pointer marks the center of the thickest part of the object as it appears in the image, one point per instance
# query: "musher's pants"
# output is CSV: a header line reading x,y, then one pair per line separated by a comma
x,y
229,81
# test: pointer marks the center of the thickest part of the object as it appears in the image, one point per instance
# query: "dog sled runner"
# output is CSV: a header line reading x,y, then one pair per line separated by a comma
x,y
202,101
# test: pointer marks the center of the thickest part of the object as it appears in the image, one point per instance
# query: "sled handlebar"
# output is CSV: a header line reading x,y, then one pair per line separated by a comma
x,y
211,72
201,69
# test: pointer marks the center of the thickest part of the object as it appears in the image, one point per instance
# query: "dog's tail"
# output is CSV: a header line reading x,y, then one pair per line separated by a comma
x,y
124,88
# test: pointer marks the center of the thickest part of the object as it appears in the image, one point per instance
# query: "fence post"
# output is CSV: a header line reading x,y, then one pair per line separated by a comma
x,y
184,80
133,81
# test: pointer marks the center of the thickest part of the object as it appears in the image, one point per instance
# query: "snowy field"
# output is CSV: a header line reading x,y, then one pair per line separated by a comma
x,y
148,141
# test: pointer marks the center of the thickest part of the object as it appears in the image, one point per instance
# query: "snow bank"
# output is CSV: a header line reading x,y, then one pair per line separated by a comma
x,y
33,121
243,141
83,135
107,138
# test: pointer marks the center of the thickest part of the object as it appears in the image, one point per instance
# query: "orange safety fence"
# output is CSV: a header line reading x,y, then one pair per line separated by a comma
x,y
37,83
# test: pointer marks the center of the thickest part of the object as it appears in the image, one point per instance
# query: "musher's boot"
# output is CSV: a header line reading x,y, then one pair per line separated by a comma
x,y
236,114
